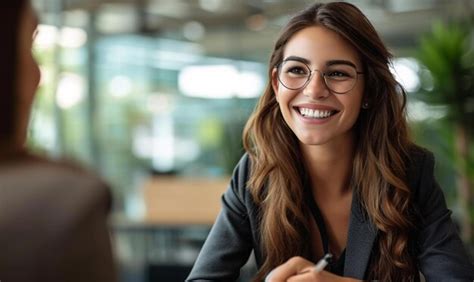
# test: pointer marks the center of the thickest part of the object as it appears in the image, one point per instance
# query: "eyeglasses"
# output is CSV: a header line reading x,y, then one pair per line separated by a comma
x,y
339,78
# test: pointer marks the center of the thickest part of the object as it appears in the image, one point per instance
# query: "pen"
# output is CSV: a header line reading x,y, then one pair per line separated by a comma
x,y
322,263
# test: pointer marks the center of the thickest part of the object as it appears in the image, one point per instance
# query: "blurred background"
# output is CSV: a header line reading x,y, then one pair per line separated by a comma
x,y
153,95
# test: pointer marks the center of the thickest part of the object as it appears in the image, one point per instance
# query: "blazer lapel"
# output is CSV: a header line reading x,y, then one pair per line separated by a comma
x,y
360,241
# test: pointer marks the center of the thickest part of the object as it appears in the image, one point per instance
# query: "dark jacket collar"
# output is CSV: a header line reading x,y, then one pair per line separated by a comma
x,y
360,239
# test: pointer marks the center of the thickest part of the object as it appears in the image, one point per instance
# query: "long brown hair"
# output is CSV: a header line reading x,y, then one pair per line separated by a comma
x,y
9,22
379,177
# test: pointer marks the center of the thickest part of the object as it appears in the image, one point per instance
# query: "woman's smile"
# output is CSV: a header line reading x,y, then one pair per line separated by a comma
x,y
315,114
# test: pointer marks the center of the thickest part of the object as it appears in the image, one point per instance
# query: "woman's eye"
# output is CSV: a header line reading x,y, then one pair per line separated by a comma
x,y
298,71
337,74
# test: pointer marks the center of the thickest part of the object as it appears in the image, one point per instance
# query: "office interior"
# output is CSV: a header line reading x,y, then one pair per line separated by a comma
x,y
153,95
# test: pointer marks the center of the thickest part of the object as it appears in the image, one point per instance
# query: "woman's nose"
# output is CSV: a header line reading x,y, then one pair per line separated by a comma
x,y
316,87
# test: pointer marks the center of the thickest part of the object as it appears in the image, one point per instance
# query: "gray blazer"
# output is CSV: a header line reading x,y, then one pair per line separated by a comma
x,y
53,223
441,254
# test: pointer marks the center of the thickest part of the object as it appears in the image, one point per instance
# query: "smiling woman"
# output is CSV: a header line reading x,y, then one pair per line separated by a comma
x,y
329,168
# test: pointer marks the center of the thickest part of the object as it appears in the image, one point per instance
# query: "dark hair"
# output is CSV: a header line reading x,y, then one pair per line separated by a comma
x,y
379,163
11,12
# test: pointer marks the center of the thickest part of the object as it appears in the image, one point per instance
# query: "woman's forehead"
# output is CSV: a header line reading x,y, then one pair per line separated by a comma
x,y
318,44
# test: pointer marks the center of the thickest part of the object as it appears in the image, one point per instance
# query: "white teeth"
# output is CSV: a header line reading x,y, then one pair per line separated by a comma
x,y
313,113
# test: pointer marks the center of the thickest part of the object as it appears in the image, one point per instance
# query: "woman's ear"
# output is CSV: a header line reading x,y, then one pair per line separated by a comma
x,y
275,82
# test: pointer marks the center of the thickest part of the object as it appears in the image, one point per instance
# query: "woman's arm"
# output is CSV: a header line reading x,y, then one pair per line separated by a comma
x,y
228,245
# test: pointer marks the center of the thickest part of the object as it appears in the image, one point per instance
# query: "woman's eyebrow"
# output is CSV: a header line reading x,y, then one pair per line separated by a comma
x,y
328,63
340,62
299,59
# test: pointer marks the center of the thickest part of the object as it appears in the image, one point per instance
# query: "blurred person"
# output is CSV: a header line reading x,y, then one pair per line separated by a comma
x,y
53,215
330,169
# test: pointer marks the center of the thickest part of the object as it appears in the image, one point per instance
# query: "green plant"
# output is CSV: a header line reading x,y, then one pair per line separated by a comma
x,y
448,55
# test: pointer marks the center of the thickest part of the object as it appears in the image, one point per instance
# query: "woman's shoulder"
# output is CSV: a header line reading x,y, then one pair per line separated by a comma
x,y
243,166
238,192
241,175
420,170
418,158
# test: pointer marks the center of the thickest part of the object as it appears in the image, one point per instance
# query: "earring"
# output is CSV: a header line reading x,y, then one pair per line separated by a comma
x,y
365,105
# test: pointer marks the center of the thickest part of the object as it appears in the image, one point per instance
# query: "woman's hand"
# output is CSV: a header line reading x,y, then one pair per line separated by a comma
x,y
299,269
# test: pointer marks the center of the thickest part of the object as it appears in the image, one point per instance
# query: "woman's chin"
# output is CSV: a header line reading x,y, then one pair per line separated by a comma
x,y
312,140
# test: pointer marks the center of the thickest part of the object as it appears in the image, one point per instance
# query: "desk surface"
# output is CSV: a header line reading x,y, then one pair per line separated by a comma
x,y
183,201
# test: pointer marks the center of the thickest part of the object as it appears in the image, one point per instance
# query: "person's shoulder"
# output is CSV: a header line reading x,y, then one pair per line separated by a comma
x,y
419,170
240,176
240,173
60,192
418,158
418,153
244,162
65,168
54,177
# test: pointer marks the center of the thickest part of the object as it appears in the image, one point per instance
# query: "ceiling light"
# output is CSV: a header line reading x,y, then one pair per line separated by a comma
x,y
210,5
193,31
